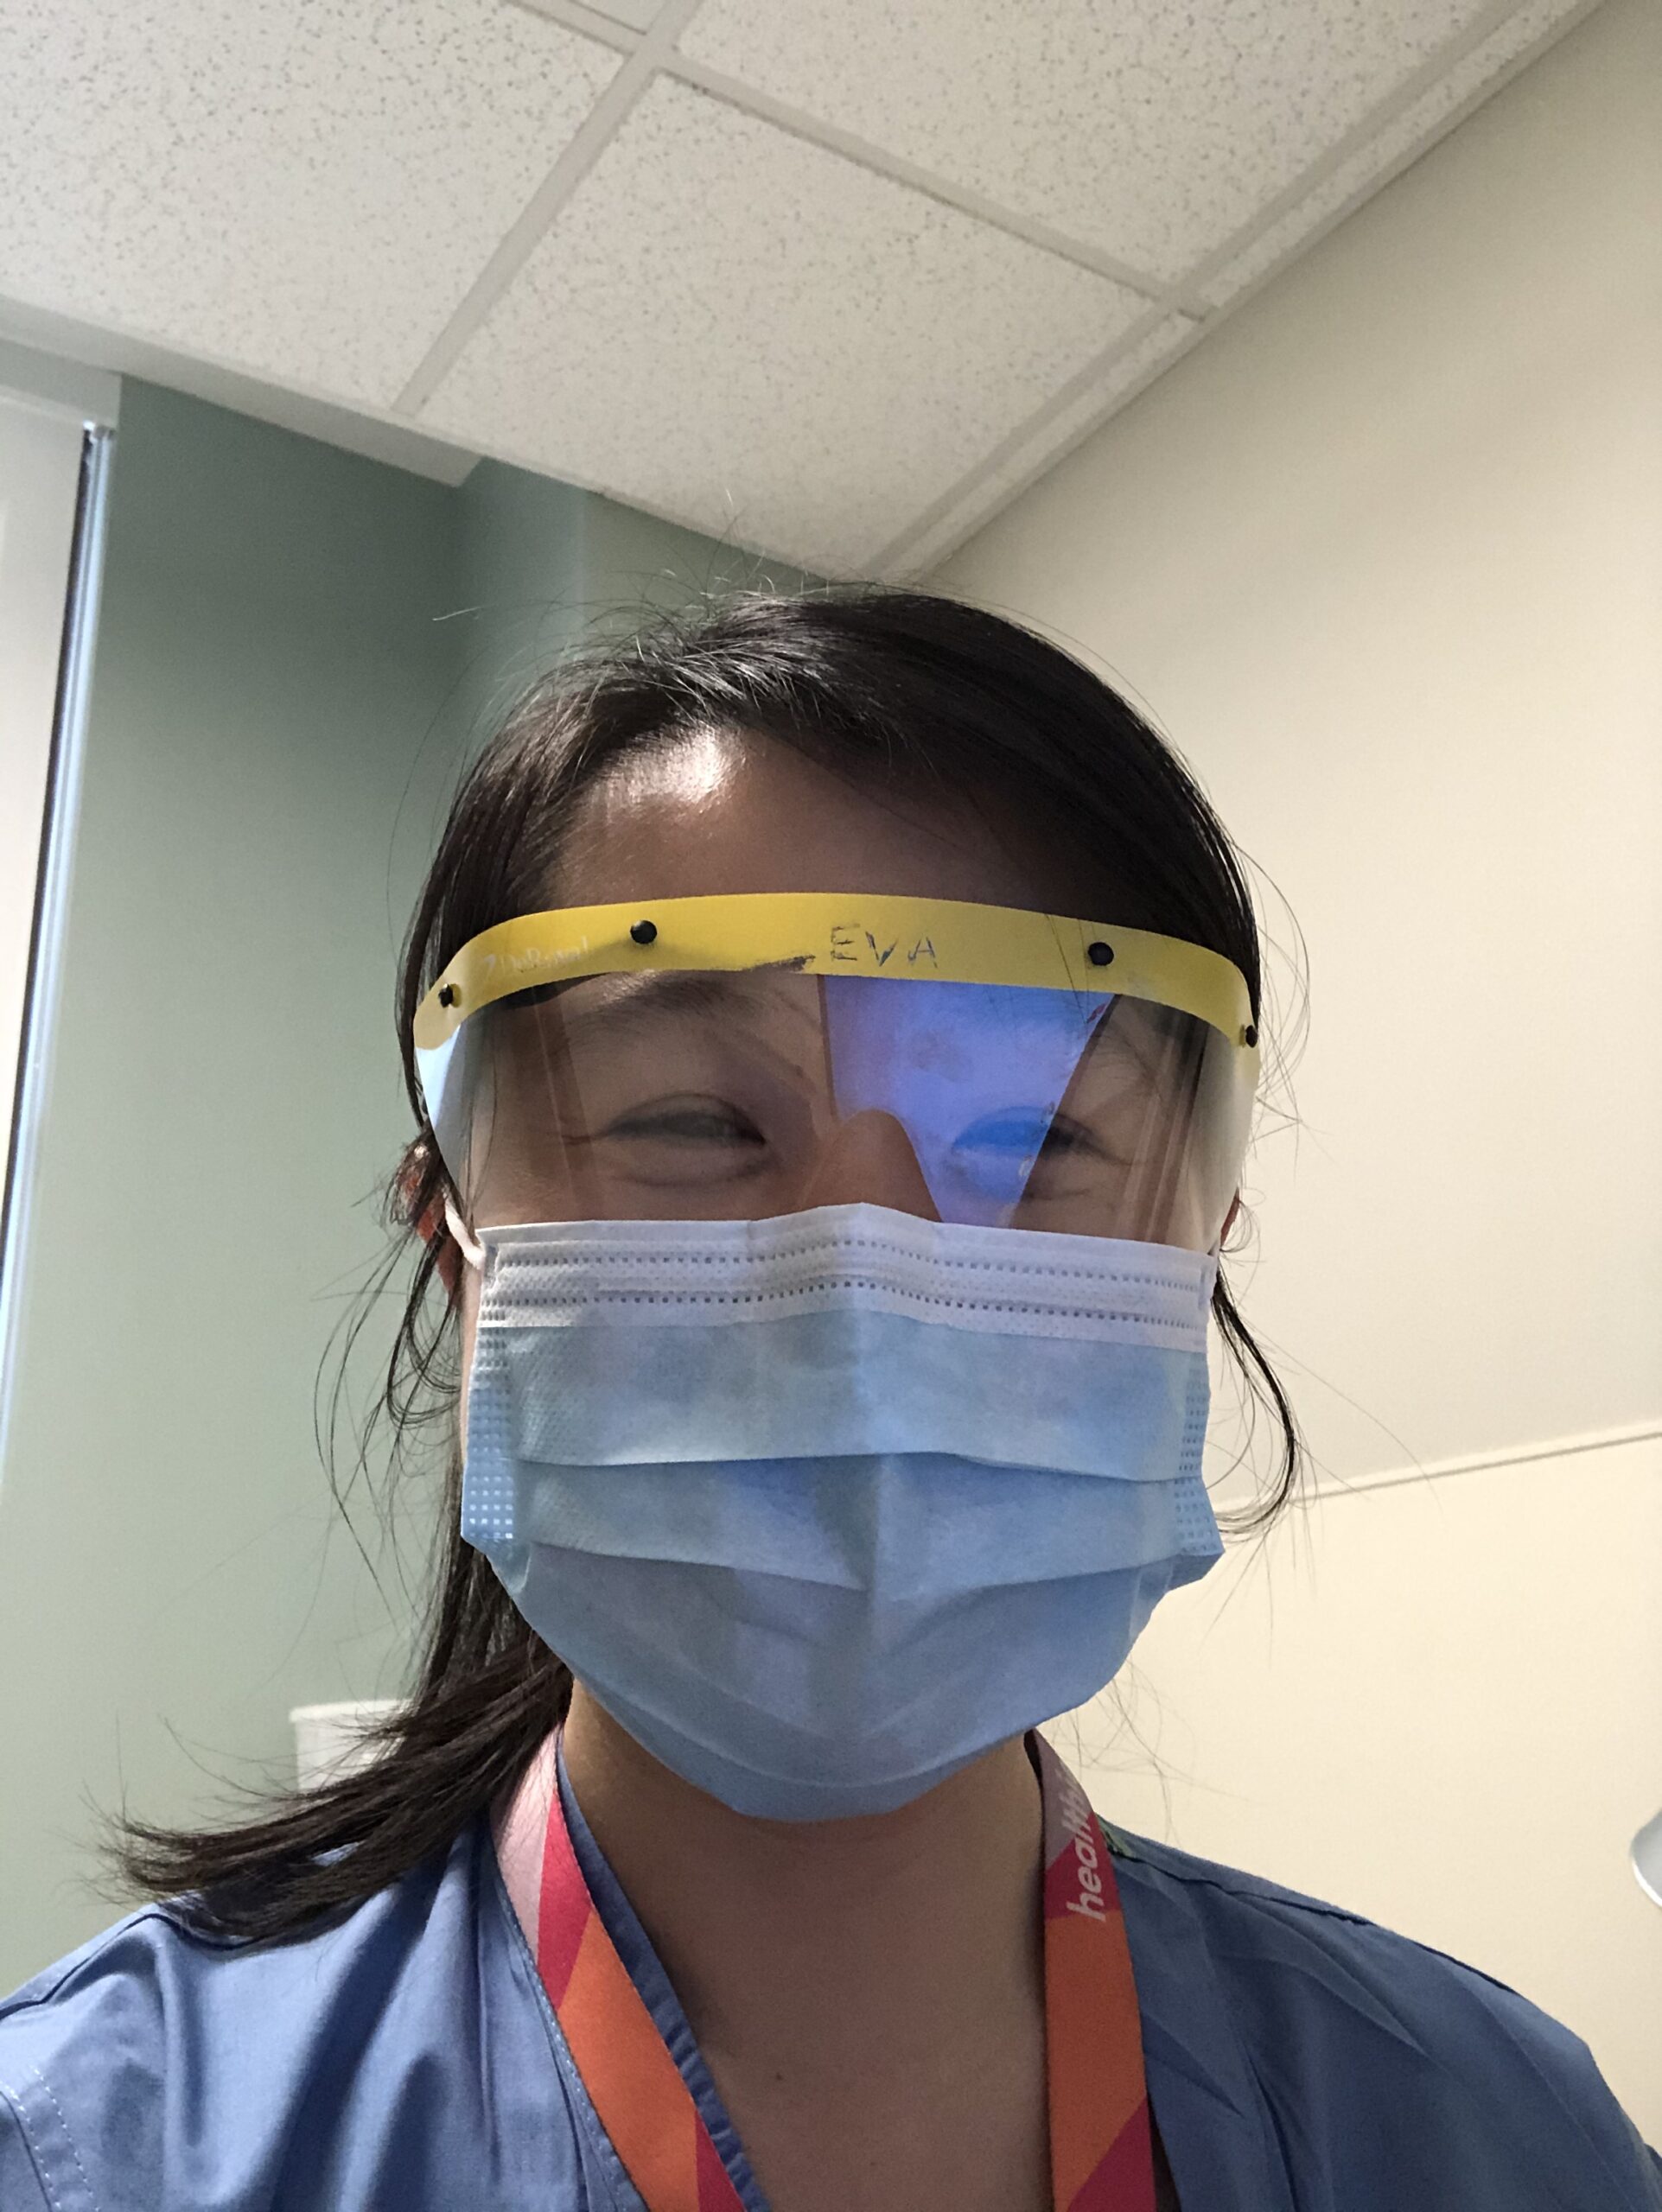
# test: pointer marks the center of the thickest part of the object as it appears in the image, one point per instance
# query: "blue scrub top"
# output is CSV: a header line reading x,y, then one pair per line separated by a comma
x,y
402,2056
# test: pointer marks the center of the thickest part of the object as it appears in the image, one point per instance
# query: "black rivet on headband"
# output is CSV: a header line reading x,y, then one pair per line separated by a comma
x,y
1098,954
1249,1034
447,994
643,932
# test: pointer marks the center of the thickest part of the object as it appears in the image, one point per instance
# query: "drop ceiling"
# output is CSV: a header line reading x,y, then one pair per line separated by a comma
x,y
831,278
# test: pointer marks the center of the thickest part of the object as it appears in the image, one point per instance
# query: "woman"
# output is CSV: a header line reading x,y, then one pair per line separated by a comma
x,y
832,1034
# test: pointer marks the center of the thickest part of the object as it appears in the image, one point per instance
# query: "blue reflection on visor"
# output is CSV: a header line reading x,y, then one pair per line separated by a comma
x,y
974,1072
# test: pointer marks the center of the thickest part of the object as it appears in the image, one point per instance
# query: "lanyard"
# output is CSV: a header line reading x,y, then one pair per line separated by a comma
x,y
1101,2158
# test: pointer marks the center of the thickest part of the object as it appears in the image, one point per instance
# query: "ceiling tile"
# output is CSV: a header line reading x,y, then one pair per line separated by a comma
x,y
1036,446
639,15
1407,133
300,186
1149,131
737,328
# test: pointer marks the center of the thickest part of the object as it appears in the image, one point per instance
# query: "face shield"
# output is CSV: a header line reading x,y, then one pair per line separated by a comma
x,y
752,1057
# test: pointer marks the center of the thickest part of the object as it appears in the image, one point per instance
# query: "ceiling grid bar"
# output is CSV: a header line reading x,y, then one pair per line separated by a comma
x,y
1553,20
572,16
940,490
1189,294
934,534
593,136
935,531
903,551
1186,295
1031,229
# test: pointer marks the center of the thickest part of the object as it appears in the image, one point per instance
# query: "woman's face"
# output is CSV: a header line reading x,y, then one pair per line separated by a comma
x,y
722,812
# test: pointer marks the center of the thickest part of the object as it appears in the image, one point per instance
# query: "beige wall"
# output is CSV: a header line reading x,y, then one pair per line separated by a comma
x,y
1384,554
1436,1702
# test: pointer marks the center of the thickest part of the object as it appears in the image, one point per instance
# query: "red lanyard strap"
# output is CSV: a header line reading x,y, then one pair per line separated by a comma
x,y
1101,2157
634,2083
1101,2150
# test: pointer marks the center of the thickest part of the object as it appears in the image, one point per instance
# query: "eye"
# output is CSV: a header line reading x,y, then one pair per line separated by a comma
x,y
1023,1133
1004,1153
686,1121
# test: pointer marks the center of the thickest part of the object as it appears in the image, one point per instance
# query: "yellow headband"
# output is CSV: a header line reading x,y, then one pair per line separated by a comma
x,y
838,933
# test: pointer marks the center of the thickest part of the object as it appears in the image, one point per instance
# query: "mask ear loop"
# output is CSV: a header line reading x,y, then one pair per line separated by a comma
x,y
472,1252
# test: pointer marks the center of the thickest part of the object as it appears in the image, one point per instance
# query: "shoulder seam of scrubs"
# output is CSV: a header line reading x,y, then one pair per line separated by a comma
x,y
1258,1889
36,2148
39,1991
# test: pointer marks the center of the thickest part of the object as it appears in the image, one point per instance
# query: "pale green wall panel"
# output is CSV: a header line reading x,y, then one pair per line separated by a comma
x,y
224,1096
544,567
298,650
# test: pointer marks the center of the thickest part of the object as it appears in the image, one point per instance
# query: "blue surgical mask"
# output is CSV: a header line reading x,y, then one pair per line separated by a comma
x,y
822,1507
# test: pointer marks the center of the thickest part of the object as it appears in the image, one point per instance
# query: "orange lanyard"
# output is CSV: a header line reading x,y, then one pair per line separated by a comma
x,y
1101,2157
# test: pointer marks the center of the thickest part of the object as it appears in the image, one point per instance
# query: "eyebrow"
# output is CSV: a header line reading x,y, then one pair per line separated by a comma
x,y
633,1002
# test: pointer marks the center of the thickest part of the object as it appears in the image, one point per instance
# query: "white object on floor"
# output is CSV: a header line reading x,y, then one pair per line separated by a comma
x,y
1647,1849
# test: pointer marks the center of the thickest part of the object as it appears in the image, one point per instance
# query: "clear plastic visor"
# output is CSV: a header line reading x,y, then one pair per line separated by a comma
x,y
722,1095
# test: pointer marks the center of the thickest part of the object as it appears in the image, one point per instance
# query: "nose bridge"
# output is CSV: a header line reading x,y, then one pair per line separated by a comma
x,y
869,1159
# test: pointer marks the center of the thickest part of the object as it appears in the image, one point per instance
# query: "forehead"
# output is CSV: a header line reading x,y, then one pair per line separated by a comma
x,y
727,812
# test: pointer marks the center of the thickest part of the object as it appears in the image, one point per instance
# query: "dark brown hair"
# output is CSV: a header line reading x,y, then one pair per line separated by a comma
x,y
869,683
